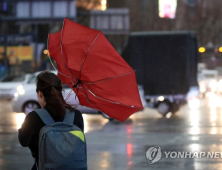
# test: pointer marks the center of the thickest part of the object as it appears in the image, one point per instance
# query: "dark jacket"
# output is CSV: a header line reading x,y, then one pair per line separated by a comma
x,y
29,132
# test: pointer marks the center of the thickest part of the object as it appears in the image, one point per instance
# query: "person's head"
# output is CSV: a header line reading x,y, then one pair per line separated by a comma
x,y
49,92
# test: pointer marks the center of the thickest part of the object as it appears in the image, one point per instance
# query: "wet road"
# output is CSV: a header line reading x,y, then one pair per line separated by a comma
x,y
122,146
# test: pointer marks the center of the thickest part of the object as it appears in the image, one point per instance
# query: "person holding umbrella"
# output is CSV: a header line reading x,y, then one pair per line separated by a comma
x,y
49,93
93,69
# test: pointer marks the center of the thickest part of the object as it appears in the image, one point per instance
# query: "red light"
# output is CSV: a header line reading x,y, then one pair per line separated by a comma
x,y
129,150
129,130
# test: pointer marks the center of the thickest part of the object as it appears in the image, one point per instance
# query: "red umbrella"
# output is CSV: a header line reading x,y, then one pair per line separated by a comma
x,y
89,65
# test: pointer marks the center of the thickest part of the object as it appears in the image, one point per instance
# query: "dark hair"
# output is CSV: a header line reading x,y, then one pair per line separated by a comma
x,y
51,87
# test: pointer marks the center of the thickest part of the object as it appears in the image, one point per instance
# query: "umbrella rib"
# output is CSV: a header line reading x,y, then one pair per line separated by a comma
x,y
109,100
87,54
106,79
58,70
62,58
83,89
64,62
62,52
52,62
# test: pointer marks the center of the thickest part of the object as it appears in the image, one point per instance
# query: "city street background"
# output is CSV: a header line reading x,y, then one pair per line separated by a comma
x,y
175,48
122,146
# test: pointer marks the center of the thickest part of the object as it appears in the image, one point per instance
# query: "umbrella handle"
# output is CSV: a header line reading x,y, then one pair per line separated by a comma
x,y
77,83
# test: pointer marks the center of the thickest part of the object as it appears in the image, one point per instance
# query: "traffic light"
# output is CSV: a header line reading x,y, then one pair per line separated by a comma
x,y
210,50
202,49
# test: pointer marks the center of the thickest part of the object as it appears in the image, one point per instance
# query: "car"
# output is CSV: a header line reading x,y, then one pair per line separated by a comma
x,y
11,84
142,95
27,101
193,99
208,81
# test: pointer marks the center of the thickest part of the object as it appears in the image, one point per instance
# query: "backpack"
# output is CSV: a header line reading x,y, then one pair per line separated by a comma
x,y
62,145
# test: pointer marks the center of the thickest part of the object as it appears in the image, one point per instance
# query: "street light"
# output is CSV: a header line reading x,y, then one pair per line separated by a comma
x,y
103,5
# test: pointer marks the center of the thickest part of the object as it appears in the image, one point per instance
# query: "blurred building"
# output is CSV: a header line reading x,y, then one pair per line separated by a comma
x,y
116,18
203,17
28,22
114,21
25,25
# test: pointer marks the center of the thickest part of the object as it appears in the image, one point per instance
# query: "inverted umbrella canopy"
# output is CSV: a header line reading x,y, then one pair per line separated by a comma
x,y
100,77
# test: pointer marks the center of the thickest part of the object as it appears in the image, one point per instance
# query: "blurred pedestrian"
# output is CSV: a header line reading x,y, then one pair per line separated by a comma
x,y
49,93
43,63
2,68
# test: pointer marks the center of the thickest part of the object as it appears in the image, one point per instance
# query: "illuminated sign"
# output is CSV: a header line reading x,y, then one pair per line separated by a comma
x,y
20,53
1,53
16,39
167,8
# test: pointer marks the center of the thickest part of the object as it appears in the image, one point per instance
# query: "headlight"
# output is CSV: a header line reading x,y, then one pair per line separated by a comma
x,y
160,98
220,85
202,88
220,82
213,84
194,103
20,90
16,94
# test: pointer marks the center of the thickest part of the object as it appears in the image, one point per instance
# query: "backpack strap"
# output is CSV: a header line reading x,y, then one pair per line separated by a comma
x,y
45,116
69,117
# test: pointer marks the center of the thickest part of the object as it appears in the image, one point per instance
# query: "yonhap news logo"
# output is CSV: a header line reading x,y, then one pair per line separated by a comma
x,y
154,154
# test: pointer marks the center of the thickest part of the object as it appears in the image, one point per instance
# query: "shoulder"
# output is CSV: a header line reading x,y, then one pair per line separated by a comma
x,y
31,122
77,112
78,120
33,117
78,115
